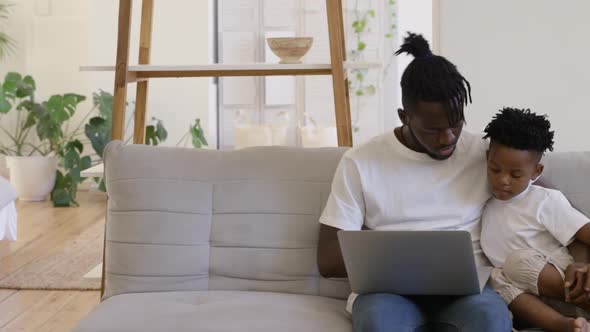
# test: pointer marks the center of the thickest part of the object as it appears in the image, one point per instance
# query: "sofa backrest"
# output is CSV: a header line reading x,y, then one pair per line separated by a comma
x,y
570,173
185,219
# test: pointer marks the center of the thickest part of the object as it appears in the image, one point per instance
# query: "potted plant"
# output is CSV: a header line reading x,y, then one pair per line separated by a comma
x,y
40,140
98,129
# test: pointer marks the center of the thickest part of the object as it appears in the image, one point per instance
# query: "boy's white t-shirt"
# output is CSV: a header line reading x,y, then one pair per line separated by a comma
x,y
538,218
386,186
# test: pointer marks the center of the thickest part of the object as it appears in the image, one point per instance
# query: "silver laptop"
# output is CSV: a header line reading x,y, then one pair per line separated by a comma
x,y
412,262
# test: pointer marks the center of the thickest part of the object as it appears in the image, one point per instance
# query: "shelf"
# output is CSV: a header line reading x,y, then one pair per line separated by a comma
x,y
142,72
96,171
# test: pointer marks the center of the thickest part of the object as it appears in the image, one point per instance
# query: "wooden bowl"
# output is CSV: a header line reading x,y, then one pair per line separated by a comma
x,y
290,49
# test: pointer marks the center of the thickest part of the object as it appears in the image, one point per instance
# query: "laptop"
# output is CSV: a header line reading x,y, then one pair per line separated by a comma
x,y
412,262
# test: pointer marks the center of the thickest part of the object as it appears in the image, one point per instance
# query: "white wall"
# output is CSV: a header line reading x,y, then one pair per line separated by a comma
x,y
413,16
57,36
524,53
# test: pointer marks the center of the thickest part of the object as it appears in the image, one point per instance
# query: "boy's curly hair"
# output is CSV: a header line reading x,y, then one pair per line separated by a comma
x,y
521,129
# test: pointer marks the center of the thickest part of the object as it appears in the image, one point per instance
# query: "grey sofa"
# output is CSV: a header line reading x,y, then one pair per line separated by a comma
x,y
201,240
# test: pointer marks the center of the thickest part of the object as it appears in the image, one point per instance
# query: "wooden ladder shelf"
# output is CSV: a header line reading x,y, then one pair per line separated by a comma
x,y
141,74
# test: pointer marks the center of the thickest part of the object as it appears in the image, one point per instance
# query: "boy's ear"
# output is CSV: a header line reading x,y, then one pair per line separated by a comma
x,y
538,170
403,116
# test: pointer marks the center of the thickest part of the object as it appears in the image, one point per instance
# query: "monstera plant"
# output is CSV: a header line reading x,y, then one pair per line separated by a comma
x,y
40,141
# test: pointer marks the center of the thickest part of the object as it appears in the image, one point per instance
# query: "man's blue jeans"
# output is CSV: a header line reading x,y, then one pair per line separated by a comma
x,y
485,312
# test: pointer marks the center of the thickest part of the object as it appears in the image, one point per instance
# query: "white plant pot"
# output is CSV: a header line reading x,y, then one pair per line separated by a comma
x,y
33,177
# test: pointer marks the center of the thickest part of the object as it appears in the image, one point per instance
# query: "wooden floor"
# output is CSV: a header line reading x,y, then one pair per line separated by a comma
x,y
40,227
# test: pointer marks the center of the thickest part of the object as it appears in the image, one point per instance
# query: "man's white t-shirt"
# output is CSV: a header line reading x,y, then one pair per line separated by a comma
x,y
386,186
538,218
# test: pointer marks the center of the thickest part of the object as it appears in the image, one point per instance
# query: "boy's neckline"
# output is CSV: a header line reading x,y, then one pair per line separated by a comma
x,y
515,198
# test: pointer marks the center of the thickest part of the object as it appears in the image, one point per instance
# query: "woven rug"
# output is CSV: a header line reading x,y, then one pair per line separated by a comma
x,y
63,267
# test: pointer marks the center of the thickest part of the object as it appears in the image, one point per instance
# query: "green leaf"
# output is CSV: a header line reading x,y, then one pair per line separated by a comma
x,y
60,194
74,174
60,197
370,90
102,186
70,103
85,163
75,144
361,46
10,87
26,104
150,135
47,129
198,135
25,87
359,26
28,80
155,133
371,12
359,92
74,97
59,179
5,106
31,121
389,35
161,131
98,131
71,159
55,102
360,76
104,102
13,77
60,116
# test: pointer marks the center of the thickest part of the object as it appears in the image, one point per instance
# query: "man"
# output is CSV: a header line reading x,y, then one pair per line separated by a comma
x,y
426,175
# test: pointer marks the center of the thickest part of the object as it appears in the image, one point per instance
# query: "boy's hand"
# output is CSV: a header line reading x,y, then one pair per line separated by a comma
x,y
577,283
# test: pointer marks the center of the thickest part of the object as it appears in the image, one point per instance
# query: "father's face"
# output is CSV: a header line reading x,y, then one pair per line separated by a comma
x,y
429,126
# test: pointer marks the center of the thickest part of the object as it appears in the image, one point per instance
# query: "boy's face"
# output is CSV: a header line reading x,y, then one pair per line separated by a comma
x,y
510,170
429,124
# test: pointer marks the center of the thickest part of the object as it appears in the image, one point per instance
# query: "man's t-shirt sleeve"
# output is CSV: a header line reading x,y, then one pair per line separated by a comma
x,y
345,208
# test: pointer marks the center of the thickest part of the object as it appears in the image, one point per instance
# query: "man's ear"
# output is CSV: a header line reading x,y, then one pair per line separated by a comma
x,y
538,170
403,116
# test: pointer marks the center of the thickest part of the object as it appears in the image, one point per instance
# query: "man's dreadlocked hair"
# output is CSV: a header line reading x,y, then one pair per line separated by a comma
x,y
521,129
433,78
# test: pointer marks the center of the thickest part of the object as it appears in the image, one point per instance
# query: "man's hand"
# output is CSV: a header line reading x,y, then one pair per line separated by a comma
x,y
577,283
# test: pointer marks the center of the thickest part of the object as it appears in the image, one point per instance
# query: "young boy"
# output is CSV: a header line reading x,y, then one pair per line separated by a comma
x,y
526,228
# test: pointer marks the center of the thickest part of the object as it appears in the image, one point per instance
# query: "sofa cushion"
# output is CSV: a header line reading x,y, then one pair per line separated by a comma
x,y
195,220
217,311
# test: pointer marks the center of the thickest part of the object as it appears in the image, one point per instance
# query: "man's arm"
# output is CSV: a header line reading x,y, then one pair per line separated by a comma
x,y
577,274
330,262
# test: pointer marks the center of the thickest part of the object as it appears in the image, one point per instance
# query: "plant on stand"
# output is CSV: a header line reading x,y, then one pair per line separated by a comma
x,y
98,129
41,140
359,85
